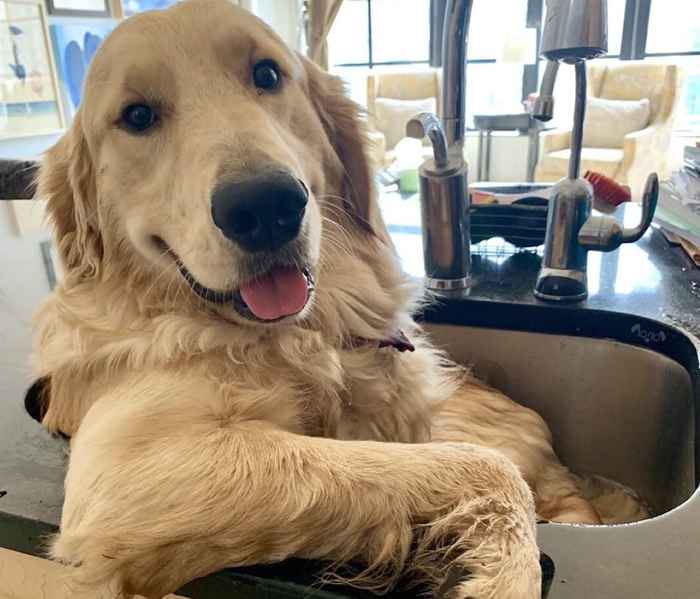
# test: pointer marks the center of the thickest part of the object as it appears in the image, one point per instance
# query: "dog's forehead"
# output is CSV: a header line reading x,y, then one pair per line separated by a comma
x,y
216,32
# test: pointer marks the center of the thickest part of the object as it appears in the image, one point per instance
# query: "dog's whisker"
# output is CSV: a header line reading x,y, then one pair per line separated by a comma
x,y
334,209
342,243
168,270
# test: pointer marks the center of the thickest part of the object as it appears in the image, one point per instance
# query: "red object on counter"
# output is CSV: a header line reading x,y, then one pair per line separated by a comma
x,y
608,190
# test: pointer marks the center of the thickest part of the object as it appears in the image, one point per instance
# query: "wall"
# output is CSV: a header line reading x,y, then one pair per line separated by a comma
x,y
23,281
23,285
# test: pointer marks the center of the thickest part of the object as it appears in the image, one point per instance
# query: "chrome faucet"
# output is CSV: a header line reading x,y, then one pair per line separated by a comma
x,y
576,31
443,178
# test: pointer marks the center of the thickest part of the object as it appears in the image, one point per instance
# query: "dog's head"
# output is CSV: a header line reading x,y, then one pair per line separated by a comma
x,y
208,158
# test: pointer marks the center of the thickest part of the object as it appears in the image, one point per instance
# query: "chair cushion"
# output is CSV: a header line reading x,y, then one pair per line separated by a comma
x,y
608,121
391,116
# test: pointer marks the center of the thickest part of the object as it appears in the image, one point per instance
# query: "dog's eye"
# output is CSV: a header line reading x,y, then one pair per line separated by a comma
x,y
139,117
266,75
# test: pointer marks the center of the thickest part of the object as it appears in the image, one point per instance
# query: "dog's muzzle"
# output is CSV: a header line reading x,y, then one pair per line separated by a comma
x,y
260,213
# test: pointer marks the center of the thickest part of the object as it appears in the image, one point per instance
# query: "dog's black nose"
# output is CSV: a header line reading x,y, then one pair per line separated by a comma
x,y
261,212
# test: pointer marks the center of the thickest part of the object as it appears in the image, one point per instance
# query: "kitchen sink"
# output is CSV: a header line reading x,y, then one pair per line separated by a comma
x,y
624,412
621,395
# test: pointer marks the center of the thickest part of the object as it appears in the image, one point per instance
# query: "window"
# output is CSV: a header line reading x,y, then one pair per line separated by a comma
x,y
493,87
674,35
388,35
348,40
373,34
616,22
379,32
674,27
491,22
400,34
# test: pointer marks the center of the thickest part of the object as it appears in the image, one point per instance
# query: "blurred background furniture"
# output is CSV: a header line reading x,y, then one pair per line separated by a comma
x,y
637,153
485,124
392,99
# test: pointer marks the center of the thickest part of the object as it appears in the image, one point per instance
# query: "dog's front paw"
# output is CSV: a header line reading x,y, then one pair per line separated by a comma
x,y
515,578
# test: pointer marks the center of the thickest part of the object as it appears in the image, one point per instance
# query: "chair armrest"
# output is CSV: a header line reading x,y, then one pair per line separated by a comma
x,y
644,152
555,140
637,143
641,136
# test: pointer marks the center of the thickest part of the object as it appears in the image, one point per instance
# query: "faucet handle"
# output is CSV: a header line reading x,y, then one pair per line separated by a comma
x,y
426,123
649,201
604,233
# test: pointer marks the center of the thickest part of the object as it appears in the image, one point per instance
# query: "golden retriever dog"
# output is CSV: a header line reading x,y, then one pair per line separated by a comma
x,y
225,348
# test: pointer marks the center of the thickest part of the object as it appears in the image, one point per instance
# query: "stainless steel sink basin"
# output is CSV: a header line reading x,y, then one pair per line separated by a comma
x,y
621,394
617,410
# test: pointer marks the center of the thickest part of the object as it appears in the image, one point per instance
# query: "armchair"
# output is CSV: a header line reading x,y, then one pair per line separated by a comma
x,y
640,152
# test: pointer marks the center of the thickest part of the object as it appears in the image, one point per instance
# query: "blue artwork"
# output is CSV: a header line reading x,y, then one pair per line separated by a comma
x,y
17,67
74,46
29,99
131,7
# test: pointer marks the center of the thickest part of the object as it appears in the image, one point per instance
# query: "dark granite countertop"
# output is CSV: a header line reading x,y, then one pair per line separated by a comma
x,y
649,279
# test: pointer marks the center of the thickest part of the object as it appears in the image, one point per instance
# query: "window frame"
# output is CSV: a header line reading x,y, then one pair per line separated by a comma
x,y
635,32
530,72
371,63
634,41
633,46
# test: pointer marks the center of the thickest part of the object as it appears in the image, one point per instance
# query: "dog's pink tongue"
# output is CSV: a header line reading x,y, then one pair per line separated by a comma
x,y
281,292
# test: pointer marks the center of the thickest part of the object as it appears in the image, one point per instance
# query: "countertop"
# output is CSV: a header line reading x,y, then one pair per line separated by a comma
x,y
649,279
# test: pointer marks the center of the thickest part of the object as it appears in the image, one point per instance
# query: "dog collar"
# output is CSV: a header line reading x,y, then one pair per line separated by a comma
x,y
398,341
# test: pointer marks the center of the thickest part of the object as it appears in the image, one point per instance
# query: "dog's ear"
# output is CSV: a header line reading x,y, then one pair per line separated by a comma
x,y
66,181
347,133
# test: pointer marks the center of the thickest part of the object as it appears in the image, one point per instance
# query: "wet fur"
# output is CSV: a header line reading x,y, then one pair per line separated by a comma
x,y
200,442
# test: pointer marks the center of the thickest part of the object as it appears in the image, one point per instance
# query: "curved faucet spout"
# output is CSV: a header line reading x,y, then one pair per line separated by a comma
x,y
454,65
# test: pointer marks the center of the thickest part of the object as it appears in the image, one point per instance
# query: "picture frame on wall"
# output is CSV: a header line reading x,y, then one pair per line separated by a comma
x,y
75,42
79,8
29,93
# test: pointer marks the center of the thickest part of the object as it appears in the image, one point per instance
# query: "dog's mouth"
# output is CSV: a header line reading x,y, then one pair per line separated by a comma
x,y
283,291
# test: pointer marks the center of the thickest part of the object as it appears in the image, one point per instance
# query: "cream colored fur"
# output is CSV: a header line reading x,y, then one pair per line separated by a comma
x,y
200,441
